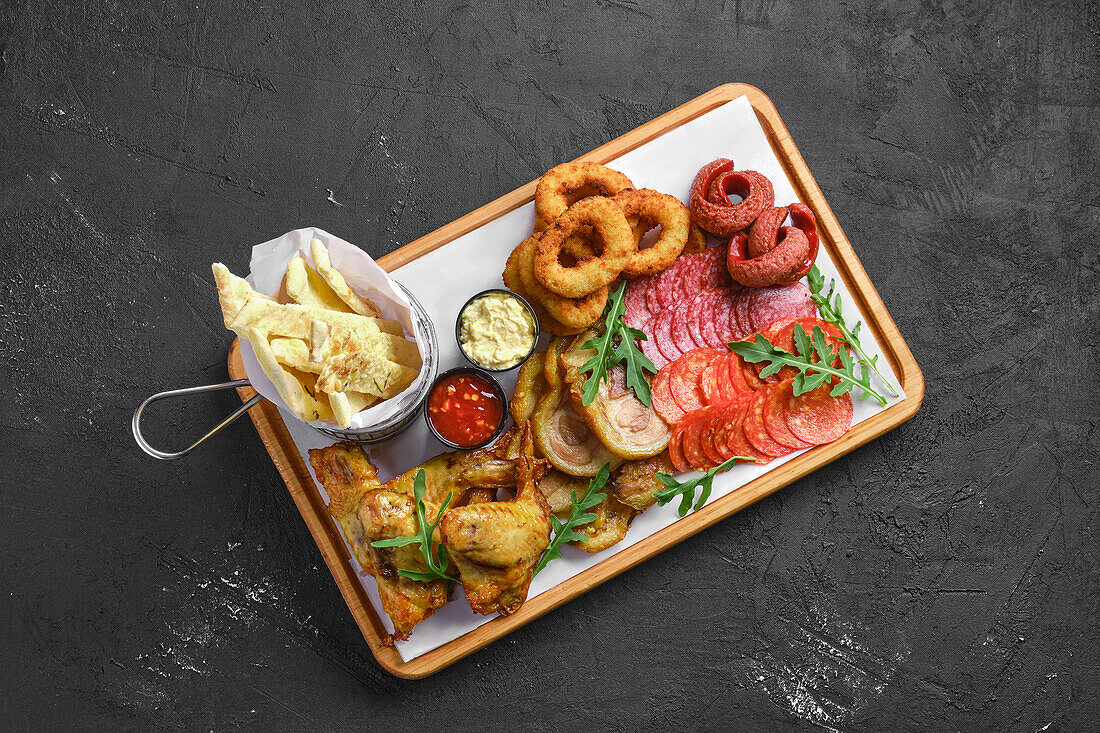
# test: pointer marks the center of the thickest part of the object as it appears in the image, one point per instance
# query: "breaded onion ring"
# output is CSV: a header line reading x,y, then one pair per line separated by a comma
x,y
609,223
571,313
770,254
546,322
651,208
558,187
710,202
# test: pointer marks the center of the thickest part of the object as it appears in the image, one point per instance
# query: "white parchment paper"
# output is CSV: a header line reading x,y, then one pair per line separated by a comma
x,y
362,273
445,278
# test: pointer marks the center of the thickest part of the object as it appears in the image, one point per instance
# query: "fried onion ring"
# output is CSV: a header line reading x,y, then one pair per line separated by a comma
x,y
571,314
558,187
651,208
609,223
771,254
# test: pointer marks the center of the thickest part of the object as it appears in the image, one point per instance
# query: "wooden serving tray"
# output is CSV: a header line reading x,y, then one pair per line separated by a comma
x,y
327,535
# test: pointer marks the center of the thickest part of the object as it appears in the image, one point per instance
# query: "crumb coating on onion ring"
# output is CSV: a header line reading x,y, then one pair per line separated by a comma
x,y
651,208
572,314
553,194
609,223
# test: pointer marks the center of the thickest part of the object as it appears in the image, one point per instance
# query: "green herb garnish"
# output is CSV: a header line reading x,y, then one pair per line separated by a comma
x,y
686,489
814,362
437,567
616,344
578,516
828,305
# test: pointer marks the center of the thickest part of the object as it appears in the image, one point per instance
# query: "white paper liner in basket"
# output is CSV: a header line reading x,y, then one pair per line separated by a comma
x,y
362,273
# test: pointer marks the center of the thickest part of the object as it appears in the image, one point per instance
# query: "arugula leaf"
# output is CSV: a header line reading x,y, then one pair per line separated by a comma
x,y
437,566
616,344
829,306
813,361
578,516
686,489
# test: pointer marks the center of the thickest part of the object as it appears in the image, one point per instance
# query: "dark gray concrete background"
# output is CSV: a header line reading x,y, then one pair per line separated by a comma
x,y
943,576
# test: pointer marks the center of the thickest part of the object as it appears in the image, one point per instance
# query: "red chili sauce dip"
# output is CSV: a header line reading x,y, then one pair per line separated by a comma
x,y
465,409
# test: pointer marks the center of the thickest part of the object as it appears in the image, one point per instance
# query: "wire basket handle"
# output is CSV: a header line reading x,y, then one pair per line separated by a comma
x,y
135,424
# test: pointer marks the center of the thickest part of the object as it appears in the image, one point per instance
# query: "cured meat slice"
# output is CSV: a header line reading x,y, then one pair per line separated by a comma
x,y
712,431
778,302
730,414
684,376
722,305
817,417
739,446
662,400
748,371
701,313
637,312
711,270
666,288
741,315
649,345
775,418
708,382
662,335
675,451
707,429
736,367
781,335
755,432
691,445
682,326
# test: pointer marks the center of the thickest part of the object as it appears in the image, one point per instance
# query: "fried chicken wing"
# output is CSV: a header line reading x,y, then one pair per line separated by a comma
x,y
367,512
496,545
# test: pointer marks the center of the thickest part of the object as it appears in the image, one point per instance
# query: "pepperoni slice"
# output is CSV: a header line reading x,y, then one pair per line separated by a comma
x,y
755,432
708,427
817,417
778,302
662,335
713,445
681,326
730,414
722,305
691,445
708,382
684,378
675,451
775,418
781,336
748,371
735,365
634,300
739,446
662,400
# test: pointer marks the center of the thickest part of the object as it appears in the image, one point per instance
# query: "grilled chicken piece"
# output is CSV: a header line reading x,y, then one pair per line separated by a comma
x,y
367,512
456,472
629,428
497,545
636,481
562,436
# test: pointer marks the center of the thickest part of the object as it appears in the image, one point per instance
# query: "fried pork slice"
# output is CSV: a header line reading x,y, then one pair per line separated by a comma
x,y
636,481
496,545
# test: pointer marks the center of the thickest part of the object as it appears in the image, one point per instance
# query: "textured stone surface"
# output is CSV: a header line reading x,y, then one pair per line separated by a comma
x,y
944,576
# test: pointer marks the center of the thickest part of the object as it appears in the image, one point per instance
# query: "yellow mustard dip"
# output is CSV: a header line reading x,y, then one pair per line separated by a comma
x,y
496,331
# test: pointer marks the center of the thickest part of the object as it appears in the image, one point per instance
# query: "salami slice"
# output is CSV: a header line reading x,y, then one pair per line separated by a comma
x,y
775,418
712,271
649,345
730,414
755,432
713,445
817,417
777,302
662,335
662,400
736,367
708,321
668,286
741,319
637,312
721,307
682,321
684,376
675,451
